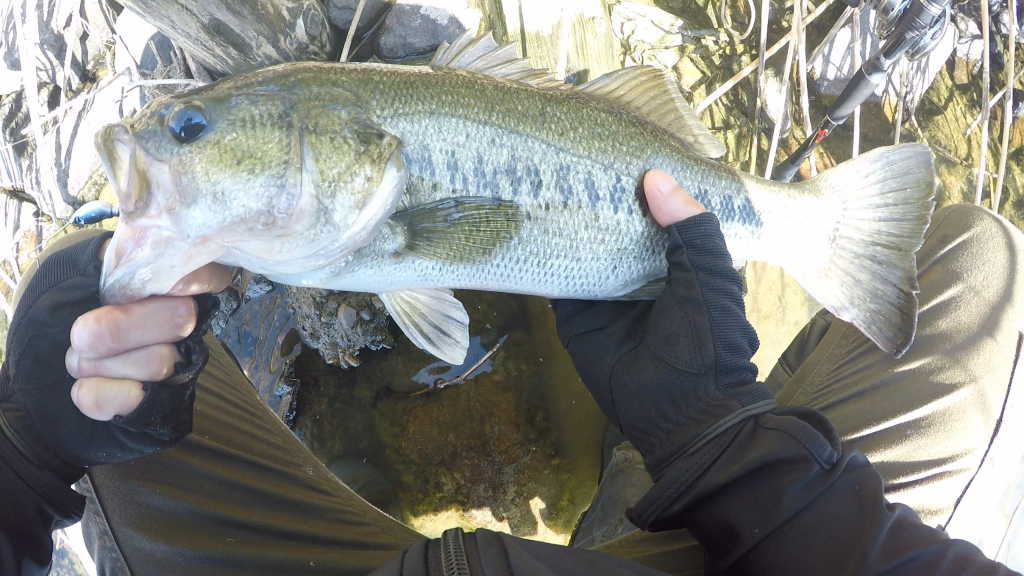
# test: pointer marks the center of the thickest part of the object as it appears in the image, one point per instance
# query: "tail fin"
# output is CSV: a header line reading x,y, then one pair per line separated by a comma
x,y
870,278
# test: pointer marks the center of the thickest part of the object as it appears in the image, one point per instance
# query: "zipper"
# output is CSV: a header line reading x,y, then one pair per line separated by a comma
x,y
453,553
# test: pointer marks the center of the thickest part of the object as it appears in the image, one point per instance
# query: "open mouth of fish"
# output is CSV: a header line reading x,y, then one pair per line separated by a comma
x,y
144,257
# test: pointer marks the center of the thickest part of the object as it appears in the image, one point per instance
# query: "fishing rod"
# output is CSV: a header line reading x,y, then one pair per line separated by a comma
x,y
909,27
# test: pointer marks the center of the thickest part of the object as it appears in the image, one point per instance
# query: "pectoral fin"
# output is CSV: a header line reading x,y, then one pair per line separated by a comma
x,y
464,230
649,291
433,319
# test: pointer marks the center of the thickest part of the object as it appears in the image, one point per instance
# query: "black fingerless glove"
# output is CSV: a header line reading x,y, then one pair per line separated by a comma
x,y
674,373
42,429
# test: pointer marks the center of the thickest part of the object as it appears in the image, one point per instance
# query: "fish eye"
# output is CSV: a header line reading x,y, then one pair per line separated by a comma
x,y
187,122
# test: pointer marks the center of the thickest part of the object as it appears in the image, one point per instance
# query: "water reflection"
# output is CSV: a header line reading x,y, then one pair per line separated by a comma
x,y
521,429
478,361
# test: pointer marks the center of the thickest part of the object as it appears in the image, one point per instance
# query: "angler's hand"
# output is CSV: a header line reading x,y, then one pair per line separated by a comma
x,y
114,349
675,372
84,385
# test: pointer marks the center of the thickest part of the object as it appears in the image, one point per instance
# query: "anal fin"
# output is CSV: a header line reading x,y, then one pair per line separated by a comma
x,y
433,319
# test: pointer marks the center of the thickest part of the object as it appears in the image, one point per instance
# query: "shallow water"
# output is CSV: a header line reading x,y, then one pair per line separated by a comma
x,y
516,447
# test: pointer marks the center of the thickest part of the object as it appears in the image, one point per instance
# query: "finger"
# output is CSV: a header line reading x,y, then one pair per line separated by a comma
x,y
209,279
104,398
667,200
151,364
113,330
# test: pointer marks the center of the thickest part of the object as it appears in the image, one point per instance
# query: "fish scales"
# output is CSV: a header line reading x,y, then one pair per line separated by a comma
x,y
408,181
576,187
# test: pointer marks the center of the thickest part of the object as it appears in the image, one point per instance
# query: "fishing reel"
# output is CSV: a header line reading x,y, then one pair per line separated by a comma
x,y
910,28
921,23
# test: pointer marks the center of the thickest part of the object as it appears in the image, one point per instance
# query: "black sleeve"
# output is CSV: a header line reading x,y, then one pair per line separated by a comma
x,y
33,503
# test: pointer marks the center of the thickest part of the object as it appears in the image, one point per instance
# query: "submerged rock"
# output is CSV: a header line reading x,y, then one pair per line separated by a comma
x,y
262,334
339,324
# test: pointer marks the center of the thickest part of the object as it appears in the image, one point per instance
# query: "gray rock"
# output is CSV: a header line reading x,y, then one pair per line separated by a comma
x,y
347,316
258,285
229,302
415,28
149,54
338,324
341,12
234,36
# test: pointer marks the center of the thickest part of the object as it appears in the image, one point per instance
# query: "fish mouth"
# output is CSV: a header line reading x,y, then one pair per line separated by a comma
x,y
142,260
123,165
145,255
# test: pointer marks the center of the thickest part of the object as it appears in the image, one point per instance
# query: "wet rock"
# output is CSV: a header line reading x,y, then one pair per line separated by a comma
x,y
338,324
418,27
257,285
513,448
346,316
229,301
341,12
262,334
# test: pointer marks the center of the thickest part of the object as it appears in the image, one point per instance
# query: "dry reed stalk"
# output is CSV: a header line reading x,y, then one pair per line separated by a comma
x,y
761,57
27,30
985,73
352,30
1004,146
70,38
805,105
756,64
899,105
787,71
856,66
995,100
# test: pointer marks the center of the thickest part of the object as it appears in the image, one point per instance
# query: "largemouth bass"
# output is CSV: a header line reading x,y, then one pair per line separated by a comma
x,y
479,172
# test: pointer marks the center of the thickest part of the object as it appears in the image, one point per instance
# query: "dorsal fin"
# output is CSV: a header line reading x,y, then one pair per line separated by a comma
x,y
650,93
482,54
644,90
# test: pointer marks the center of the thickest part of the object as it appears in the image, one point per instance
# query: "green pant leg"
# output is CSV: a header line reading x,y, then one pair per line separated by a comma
x,y
927,419
240,495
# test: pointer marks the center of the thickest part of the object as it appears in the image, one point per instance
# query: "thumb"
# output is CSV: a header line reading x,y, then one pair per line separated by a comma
x,y
668,202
